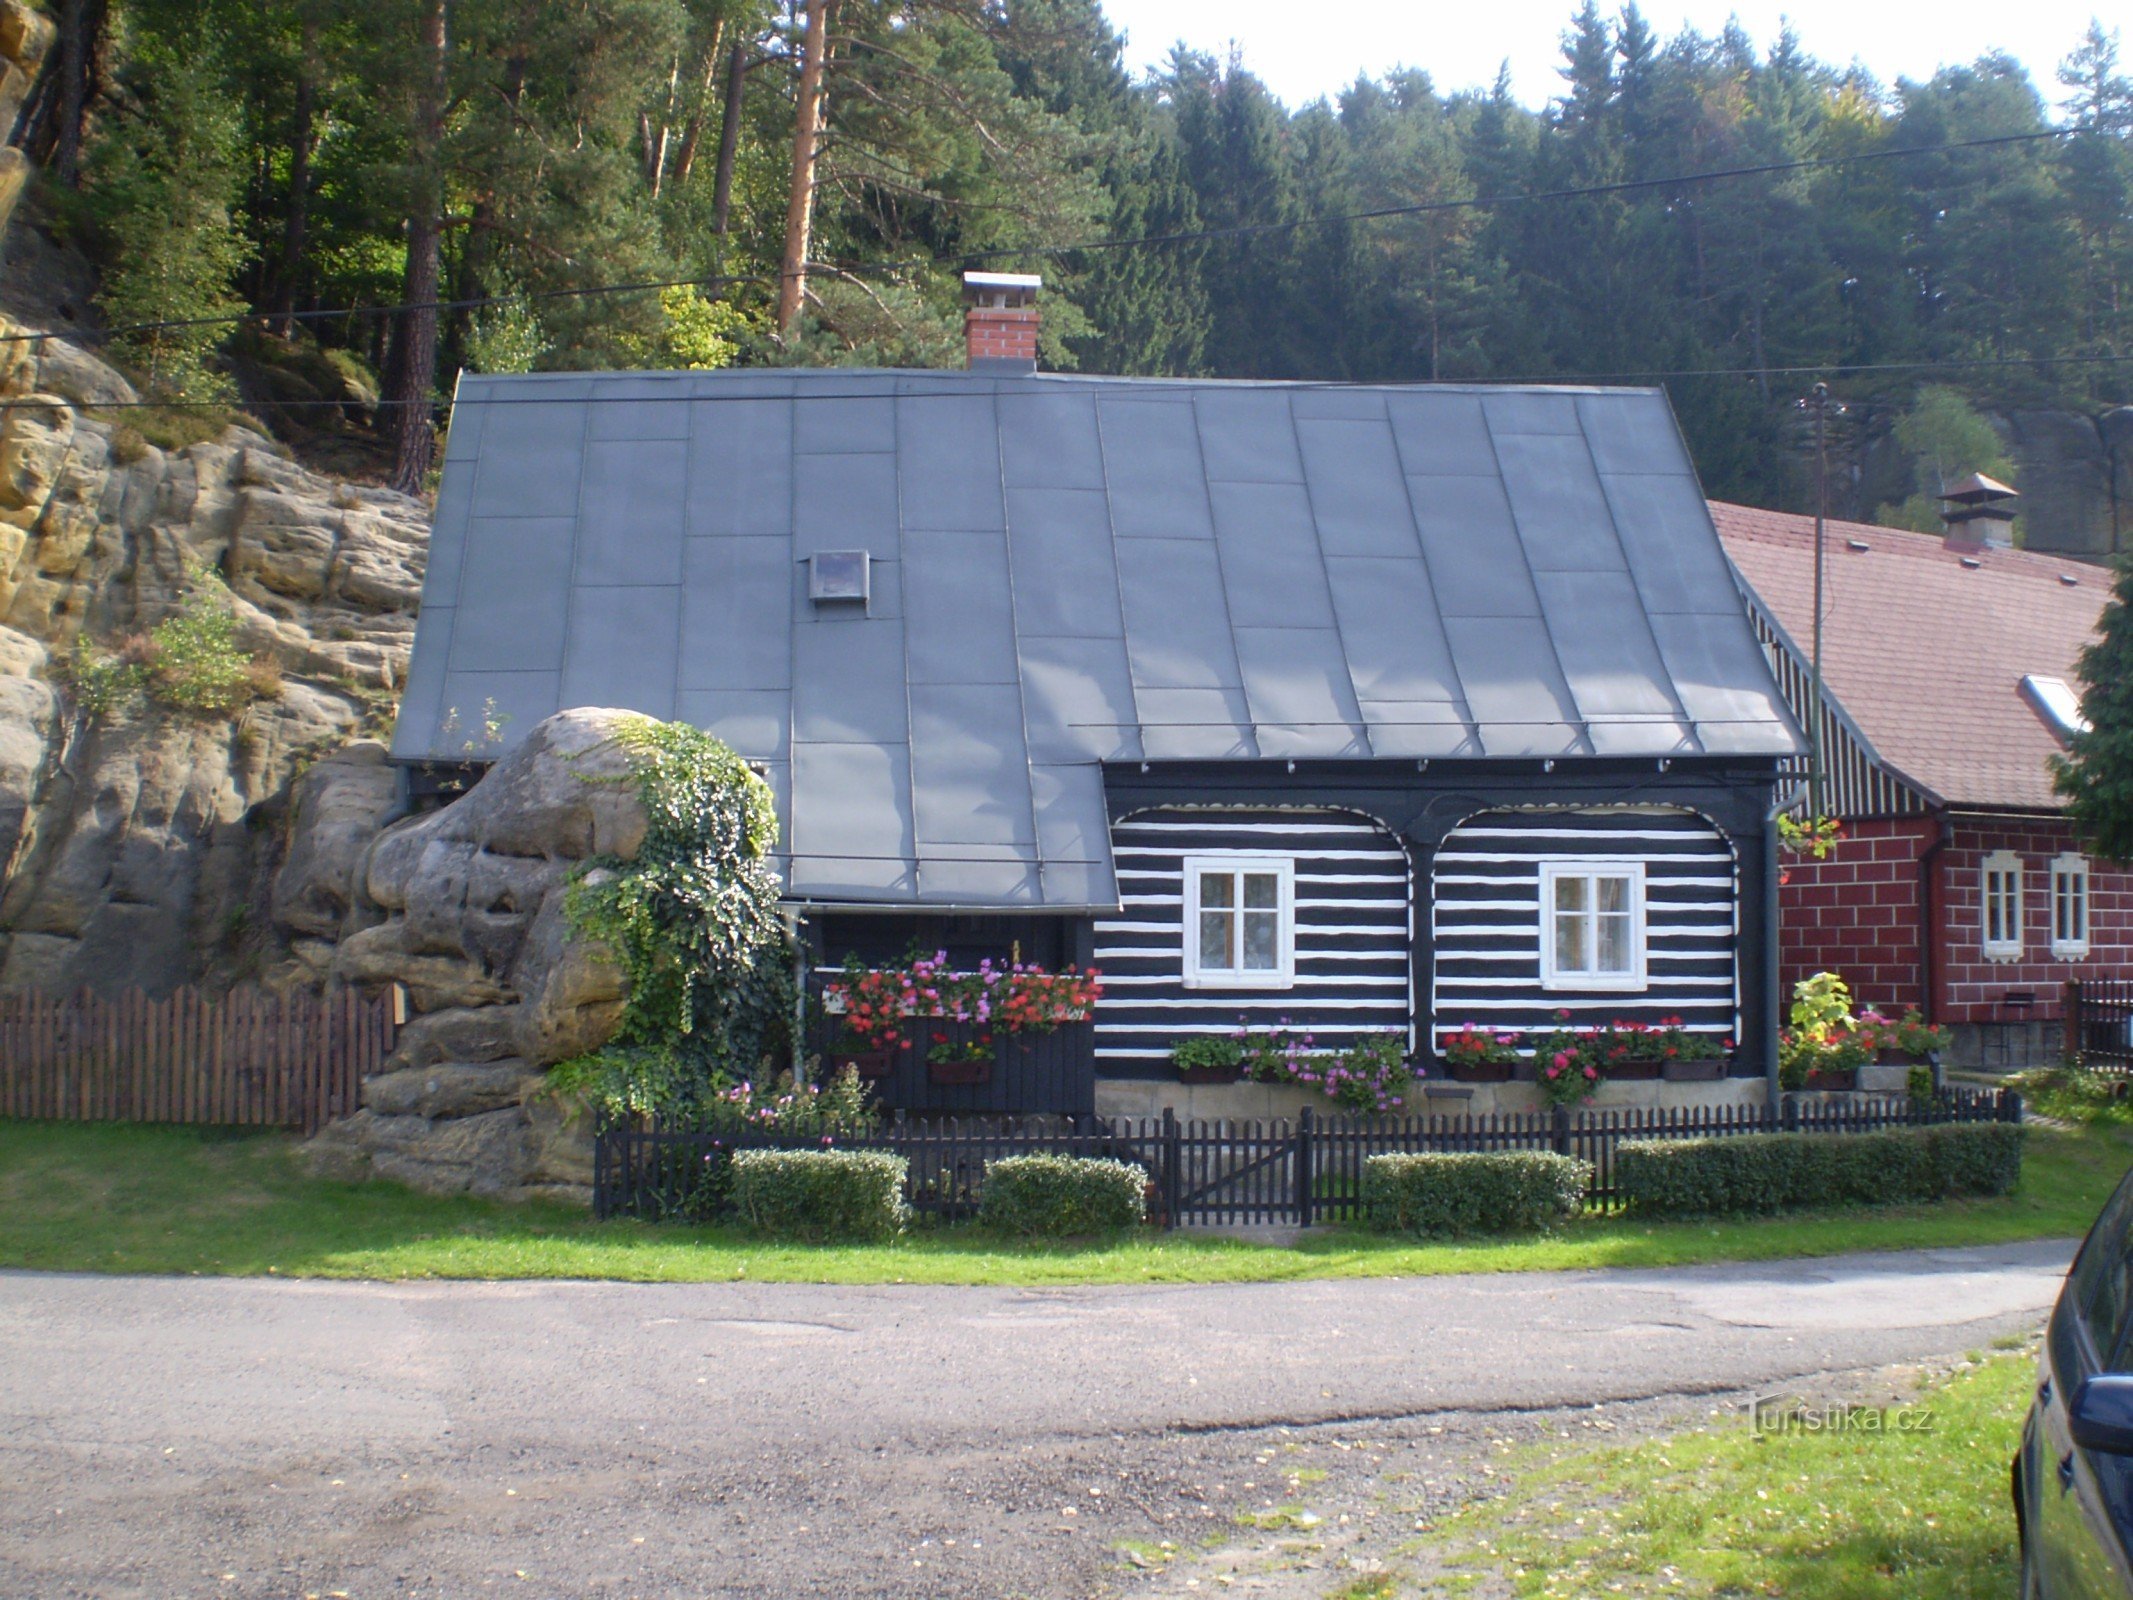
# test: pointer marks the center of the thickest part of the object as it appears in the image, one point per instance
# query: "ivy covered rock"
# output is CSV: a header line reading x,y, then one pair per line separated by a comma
x,y
603,896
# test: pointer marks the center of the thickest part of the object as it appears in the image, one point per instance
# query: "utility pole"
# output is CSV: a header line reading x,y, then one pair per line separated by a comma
x,y
1815,777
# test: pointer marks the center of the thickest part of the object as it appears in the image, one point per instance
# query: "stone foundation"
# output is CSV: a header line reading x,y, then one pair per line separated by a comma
x,y
1121,1097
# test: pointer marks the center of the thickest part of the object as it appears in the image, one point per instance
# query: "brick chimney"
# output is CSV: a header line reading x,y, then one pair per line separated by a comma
x,y
1000,326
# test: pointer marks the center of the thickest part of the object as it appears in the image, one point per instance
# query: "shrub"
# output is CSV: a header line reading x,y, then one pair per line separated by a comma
x,y
1057,1197
1746,1174
1487,1192
821,1194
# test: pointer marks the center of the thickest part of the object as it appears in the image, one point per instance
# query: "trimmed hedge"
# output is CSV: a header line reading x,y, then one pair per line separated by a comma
x,y
1766,1172
1481,1192
1054,1197
821,1194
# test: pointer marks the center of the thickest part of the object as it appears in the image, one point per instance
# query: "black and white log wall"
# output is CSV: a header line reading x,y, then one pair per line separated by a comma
x,y
1486,931
1353,932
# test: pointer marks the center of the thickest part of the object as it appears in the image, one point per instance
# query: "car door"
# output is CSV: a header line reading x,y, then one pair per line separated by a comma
x,y
2083,1496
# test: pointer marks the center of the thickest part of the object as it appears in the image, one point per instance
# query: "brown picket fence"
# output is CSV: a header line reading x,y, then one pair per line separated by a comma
x,y
245,1058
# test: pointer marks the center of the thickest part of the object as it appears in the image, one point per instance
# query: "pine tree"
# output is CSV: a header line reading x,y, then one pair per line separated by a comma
x,y
164,193
2096,775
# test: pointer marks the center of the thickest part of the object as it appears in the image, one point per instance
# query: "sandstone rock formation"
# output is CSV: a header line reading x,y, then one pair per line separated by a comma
x,y
137,848
465,908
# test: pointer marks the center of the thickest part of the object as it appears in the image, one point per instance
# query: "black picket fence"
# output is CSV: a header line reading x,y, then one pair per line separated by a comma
x,y
1232,1173
2099,1023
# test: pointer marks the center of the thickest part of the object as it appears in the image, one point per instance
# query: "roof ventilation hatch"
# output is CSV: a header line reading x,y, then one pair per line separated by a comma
x,y
838,577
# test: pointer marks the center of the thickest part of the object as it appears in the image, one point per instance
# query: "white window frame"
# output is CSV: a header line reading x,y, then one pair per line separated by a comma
x,y
1554,869
2007,947
1237,863
2069,867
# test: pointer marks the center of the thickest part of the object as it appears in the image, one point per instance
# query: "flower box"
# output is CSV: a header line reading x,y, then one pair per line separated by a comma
x,y
963,1071
1632,1071
1833,1078
1478,1071
1899,1058
1708,1070
1210,1074
870,1064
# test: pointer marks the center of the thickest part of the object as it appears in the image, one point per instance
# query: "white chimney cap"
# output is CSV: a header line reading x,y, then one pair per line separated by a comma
x,y
1003,280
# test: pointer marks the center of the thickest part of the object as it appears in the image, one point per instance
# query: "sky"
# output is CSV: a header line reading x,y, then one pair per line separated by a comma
x,y
1461,45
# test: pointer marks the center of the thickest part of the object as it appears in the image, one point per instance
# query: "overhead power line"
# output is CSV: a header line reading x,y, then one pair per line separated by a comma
x,y
1567,380
1245,230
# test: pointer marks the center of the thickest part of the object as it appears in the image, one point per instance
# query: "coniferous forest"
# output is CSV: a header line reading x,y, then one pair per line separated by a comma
x,y
401,189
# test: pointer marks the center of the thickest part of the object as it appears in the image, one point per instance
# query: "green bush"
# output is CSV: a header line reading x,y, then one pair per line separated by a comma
x,y
1769,1172
1485,1192
820,1194
1057,1197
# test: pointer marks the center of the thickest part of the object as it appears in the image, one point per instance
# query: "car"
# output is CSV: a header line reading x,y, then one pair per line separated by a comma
x,y
2073,1477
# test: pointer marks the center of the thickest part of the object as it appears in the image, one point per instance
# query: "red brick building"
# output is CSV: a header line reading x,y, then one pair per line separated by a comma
x,y
1957,886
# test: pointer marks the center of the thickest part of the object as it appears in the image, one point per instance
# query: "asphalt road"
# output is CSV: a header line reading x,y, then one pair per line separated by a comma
x,y
177,1437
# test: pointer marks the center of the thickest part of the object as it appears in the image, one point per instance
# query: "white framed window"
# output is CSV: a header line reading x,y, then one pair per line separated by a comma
x,y
2070,906
1592,924
1240,921
2000,890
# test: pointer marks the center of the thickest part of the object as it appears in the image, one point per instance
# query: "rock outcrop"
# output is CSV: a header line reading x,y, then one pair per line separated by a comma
x,y
138,846
465,908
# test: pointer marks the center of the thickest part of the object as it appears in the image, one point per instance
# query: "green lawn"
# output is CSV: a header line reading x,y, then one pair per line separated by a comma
x,y
1717,1511
120,1198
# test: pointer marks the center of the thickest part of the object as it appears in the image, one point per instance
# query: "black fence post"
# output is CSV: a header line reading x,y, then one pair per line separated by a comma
x,y
2010,1105
1562,1130
1304,1122
1171,1187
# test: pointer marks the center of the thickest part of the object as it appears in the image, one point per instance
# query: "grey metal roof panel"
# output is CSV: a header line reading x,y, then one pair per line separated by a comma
x,y
1358,496
1078,701
1441,433
530,460
1273,572
958,625
630,511
1296,686
969,769
1070,571
851,831
848,683
517,569
1661,517
1048,438
1178,633
736,597
622,647
948,462
845,502
740,469
1148,447
1065,578
1247,434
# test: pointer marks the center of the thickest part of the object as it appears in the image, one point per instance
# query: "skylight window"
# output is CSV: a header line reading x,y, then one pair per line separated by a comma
x,y
2055,701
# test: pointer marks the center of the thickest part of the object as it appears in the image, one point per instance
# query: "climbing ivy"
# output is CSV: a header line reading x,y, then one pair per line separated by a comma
x,y
694,921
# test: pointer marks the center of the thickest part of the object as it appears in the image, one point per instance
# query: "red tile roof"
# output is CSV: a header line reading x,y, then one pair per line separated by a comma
x,y
1925,654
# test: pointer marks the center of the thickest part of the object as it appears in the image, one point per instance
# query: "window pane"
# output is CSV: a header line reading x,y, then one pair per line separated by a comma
x,y
1570,893
1262,891
1262,941
1218,889
1571,951
1614,893
1215,927
1615,954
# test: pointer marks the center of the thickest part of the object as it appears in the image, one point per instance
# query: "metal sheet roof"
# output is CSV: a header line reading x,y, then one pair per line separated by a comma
x,y
1065,571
